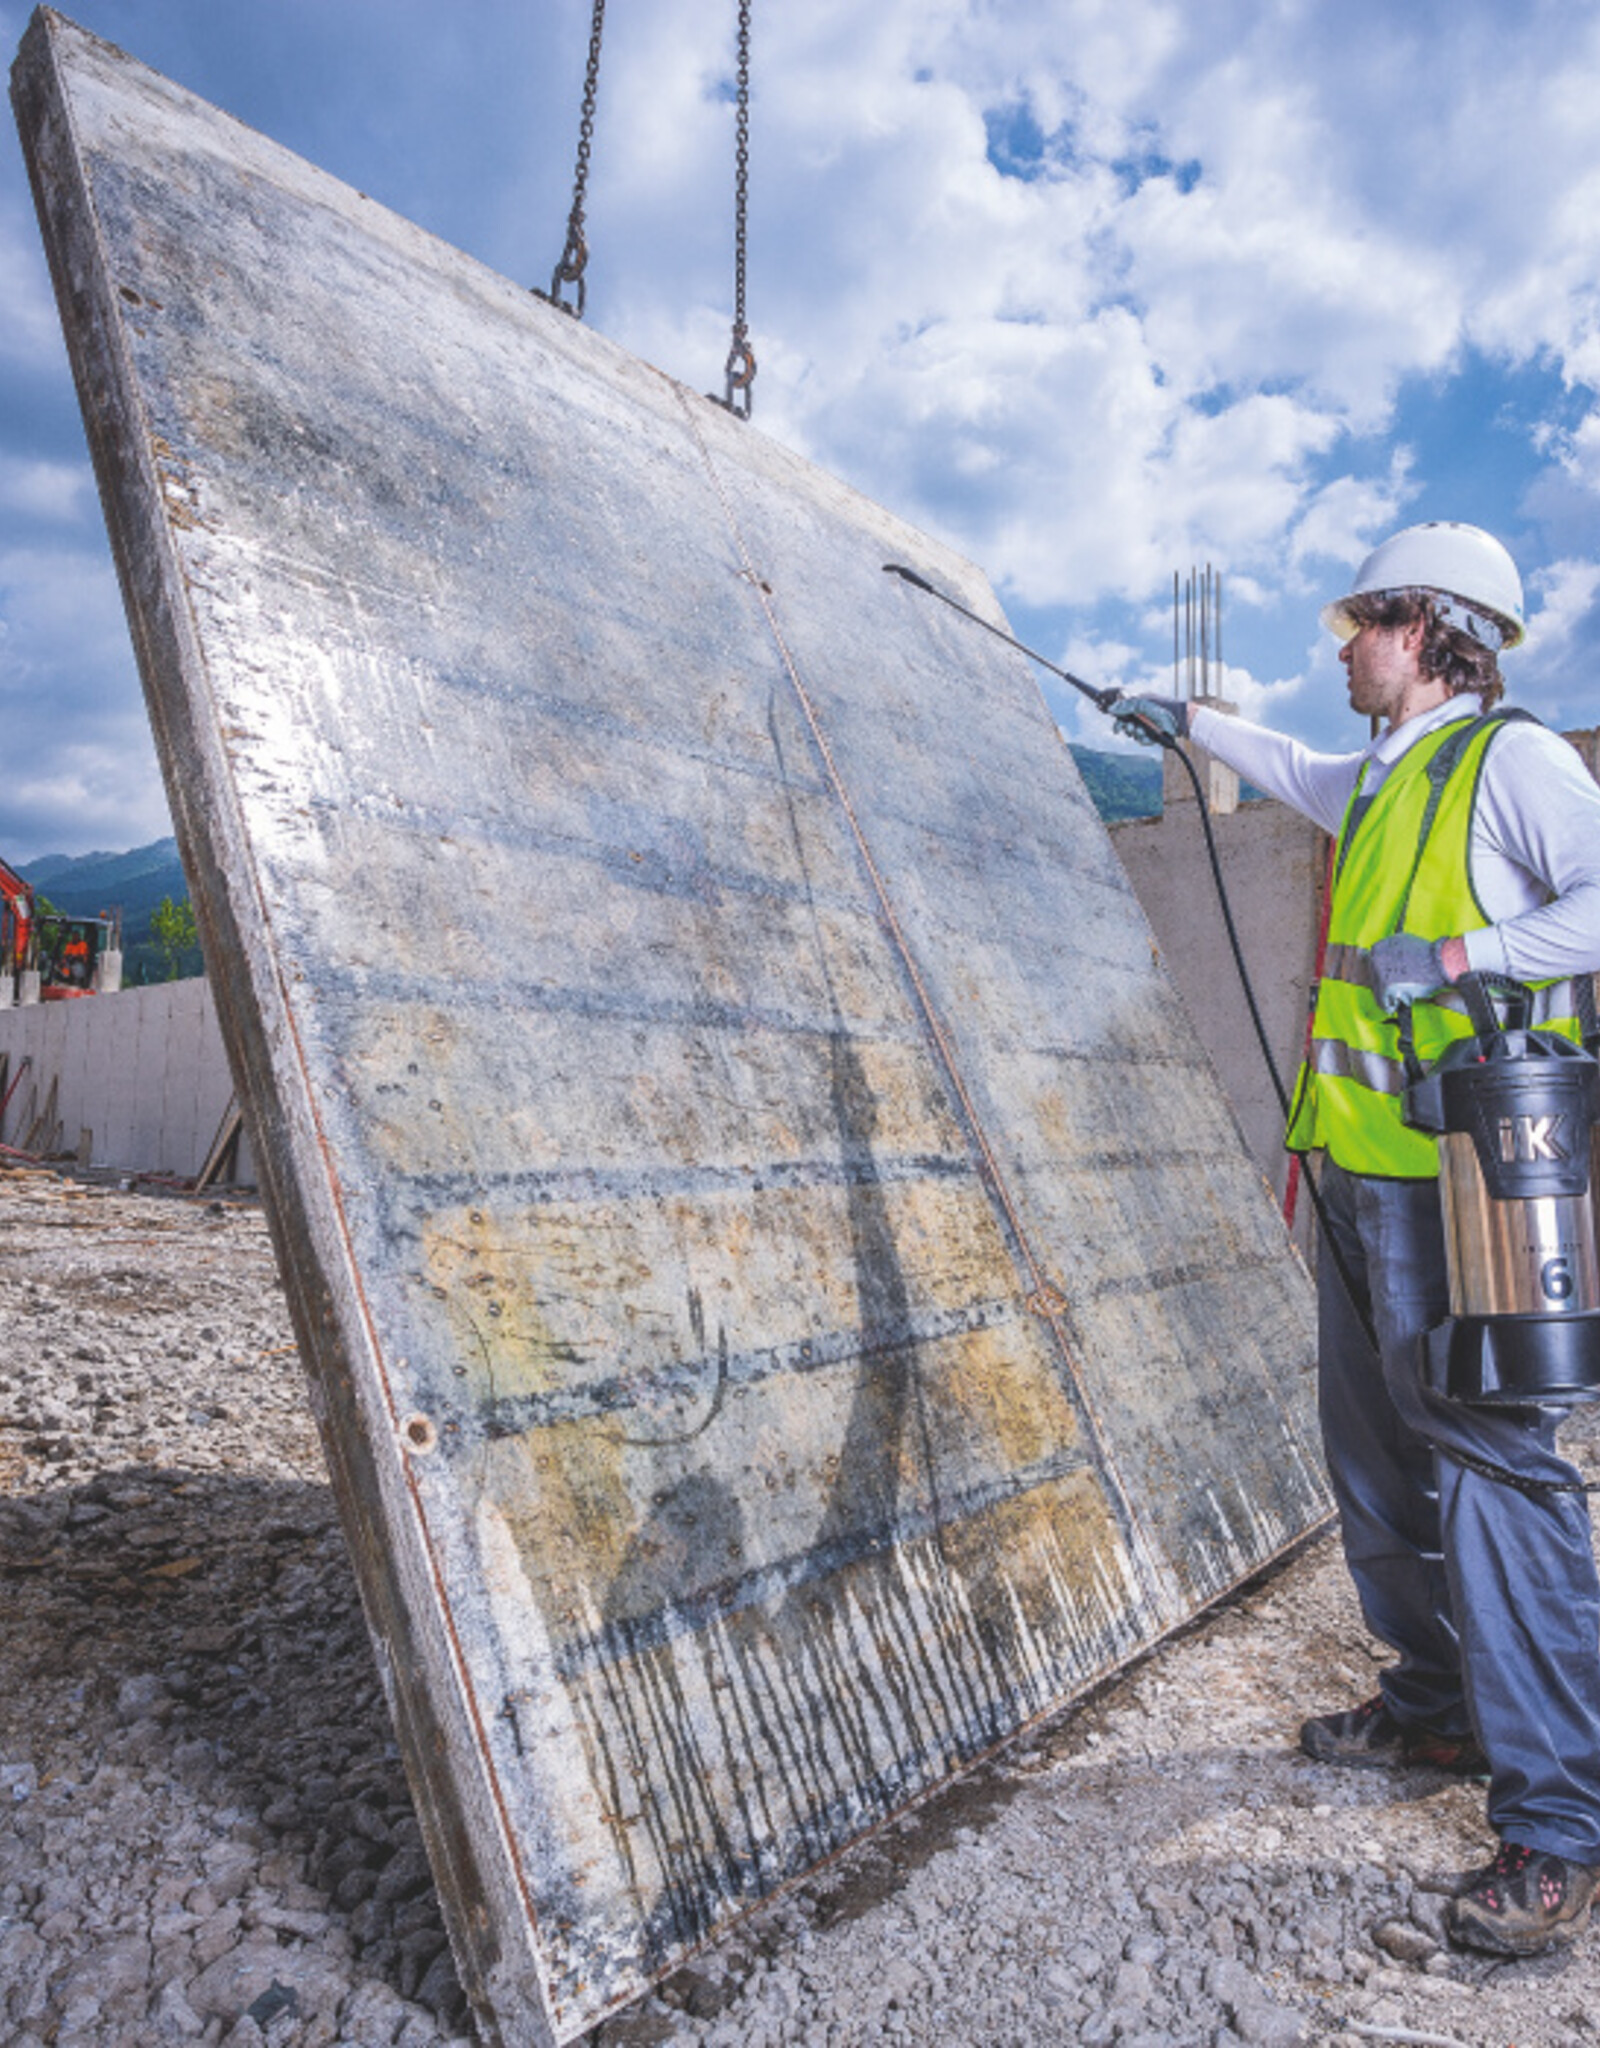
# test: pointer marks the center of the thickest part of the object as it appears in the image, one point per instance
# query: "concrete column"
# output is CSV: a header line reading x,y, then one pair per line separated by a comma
x,y
1220,783
28,986
8,991
108,973
1587,743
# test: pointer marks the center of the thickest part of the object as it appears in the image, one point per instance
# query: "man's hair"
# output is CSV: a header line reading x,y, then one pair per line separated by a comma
x,y
1462,663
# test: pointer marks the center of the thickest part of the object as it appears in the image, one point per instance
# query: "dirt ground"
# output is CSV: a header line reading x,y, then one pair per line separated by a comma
x,y
205,1832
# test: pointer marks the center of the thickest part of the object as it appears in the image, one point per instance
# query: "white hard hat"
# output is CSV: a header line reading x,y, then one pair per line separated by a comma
x,y
1463,565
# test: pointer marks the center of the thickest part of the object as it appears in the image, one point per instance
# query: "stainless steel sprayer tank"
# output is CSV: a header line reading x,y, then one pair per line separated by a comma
x,y
1515,1110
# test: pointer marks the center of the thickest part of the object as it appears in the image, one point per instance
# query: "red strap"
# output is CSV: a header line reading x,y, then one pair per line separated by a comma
x,y
1291,1187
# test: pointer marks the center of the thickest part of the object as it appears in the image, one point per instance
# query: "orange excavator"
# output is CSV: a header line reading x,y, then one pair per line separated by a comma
x,y
64,951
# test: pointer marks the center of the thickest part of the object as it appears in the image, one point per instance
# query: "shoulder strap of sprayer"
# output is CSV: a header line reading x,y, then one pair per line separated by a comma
x,y
1443,764
1584,1010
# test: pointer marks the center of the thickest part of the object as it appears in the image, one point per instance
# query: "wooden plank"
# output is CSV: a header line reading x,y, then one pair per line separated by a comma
x,y
785,1300
223,1151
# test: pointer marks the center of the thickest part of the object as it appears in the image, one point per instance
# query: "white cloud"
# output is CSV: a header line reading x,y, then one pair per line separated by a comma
x,y
1566,592
56,491
62,605
80,765
30,333
1344,519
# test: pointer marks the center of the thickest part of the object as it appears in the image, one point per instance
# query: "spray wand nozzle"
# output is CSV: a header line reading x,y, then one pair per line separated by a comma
x,y
1102,700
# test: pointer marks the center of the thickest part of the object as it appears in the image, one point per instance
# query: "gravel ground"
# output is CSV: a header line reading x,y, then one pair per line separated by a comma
x,y
205,1833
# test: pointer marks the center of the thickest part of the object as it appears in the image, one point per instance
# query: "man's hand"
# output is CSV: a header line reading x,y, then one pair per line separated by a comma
x,y
1152,721
1408,969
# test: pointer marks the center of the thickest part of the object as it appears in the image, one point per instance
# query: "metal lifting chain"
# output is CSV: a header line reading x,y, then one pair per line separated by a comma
x,y
740,369
575,256
741,364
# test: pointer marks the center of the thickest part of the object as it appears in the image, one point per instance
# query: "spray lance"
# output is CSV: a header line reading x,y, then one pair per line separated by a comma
x,y
1518,1115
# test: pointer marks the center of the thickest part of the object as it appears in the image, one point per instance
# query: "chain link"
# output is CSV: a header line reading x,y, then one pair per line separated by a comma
x,y
575,256
740,369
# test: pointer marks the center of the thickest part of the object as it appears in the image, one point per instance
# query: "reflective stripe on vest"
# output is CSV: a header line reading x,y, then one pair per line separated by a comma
x,y
1552,1000
1402,864
1373,1070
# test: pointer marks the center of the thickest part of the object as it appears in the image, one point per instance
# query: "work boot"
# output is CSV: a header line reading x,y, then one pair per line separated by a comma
x,y
1370,1738
1522,1903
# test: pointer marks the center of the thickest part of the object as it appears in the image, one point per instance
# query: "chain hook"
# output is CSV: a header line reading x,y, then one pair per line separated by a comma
x,y
570,271
740,371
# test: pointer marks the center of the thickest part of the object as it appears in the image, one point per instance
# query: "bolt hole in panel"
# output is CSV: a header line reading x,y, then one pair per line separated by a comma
x,y
784,1297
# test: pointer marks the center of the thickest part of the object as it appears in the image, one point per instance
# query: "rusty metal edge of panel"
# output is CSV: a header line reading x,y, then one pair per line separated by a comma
x,y
456,1807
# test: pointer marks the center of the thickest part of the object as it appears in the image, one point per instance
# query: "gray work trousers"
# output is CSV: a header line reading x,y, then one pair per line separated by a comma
x,y
1487,1595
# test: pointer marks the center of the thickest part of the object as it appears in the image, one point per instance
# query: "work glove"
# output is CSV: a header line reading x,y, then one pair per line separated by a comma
x,y
1152,721
1407,969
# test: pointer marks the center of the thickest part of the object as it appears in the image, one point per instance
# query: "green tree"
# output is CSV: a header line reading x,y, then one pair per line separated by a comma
x,y
172,927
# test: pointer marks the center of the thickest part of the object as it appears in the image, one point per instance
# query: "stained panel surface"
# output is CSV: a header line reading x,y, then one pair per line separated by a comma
x,y
784,1296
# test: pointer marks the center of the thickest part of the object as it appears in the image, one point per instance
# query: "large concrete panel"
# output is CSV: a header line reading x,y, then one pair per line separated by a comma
x,y
784,1296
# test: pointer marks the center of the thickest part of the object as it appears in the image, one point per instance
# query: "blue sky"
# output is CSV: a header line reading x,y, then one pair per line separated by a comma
x,y
1096,291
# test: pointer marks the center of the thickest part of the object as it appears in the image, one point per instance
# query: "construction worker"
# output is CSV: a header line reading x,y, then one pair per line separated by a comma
x,y
1485,1590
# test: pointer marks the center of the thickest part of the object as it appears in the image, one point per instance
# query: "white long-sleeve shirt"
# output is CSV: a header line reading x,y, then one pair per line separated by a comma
x,y
1534,849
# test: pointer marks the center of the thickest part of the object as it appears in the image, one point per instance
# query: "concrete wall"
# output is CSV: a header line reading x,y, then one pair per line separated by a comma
x,y
1273,862
143,1073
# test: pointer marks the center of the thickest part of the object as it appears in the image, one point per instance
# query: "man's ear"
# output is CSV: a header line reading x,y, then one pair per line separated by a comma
x,y
1412,636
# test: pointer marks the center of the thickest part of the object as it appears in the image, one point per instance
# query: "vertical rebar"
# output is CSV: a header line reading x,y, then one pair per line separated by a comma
x,y
1197,633
1205,632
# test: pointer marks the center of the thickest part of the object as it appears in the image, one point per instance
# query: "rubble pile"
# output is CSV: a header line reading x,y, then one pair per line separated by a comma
x,y
206,1836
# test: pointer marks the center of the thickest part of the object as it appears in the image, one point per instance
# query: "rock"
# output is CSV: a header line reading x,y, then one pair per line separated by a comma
x,y
1222,1936
229,1867
107,1972
372,2015
1427,1910
218,1933
440,1990
173,2017
17,1782
1404,1941
1229,1983
1267,2025
233,1983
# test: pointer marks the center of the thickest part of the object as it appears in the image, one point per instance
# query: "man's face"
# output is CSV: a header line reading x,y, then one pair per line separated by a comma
x,y
1381,662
